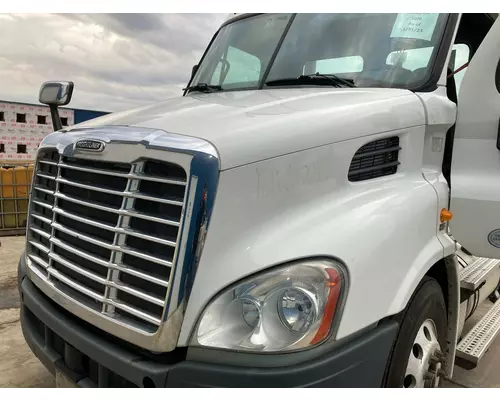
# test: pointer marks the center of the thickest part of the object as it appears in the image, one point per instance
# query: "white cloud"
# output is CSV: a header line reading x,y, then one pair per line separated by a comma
x,y
117,61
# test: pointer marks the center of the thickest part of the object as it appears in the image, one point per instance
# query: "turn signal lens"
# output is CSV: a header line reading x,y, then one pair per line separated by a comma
x,y
445,215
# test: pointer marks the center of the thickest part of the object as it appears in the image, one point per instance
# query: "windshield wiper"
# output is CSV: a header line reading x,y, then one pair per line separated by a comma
x,y
314,79
203,87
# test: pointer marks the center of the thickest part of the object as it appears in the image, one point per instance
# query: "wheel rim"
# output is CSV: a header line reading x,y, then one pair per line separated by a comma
x,y
424,363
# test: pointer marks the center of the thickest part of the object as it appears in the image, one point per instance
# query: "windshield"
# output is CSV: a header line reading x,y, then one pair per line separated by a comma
x,y
372,50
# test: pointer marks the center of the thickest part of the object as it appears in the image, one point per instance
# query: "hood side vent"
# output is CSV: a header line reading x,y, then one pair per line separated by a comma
x,y
375,159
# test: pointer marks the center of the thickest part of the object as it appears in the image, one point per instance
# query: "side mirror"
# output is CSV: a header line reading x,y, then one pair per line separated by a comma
x,y
56,94
194,71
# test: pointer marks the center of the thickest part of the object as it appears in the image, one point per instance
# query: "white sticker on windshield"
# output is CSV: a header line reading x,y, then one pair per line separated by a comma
x,y
414,26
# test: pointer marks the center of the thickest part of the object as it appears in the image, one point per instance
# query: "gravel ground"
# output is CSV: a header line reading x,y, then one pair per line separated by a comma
x,y
20,368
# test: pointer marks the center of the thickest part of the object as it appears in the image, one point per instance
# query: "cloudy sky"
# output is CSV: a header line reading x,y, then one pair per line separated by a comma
x,y
117,61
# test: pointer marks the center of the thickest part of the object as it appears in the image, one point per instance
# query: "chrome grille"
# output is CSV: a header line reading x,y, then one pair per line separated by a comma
x,y
106,233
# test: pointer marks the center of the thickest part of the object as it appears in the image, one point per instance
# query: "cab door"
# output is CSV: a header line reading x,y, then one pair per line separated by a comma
x,y
475,168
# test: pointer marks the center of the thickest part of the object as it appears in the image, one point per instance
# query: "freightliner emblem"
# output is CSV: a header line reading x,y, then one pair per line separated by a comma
x,y
90,145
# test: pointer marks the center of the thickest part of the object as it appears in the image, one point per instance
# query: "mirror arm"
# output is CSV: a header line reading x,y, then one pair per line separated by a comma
x,y
56,119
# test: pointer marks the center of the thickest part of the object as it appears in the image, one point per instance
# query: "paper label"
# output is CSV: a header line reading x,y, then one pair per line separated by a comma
x,y
414,26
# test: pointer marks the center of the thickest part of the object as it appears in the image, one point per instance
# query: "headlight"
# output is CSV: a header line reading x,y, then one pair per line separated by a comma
x,y
289,308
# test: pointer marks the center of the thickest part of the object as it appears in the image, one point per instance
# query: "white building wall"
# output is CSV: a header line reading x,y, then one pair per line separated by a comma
x,y
29,133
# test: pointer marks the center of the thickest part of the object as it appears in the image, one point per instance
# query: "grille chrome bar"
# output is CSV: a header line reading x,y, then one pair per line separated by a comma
x,y
129,289
135,214
147,257
128,213
39,246
105,245
41,218
82,254
91,222
42,204
51,192
48,162
39,261
85,203
140,235
44,176
71,283
40,232
124,175
118,193
95,296
142,275
76,268
104,281
86,238
133,311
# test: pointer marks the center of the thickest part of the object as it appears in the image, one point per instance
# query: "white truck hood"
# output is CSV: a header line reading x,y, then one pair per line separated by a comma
x,y
249,126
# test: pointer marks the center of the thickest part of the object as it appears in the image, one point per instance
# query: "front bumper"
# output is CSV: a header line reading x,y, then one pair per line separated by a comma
x,y
91,358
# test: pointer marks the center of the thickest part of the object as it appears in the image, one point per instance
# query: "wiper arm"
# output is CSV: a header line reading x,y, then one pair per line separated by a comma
x,y
203,87
314,79
334,78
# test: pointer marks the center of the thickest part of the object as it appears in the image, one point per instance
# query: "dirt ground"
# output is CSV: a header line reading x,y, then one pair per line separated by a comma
x,y
20,368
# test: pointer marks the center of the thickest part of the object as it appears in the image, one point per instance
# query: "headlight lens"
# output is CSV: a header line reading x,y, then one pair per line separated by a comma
x,y
289,308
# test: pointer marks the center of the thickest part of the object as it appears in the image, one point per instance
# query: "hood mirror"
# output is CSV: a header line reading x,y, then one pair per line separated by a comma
x,y
55,94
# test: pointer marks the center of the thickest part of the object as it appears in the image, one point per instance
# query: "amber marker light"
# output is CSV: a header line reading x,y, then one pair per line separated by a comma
x,y
446,215
334,282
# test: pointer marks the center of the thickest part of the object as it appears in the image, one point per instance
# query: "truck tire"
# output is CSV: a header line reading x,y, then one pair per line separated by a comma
x,y
417,355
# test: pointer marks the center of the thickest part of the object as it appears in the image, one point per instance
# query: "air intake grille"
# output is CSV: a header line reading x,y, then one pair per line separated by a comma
x,y
106,233
375,159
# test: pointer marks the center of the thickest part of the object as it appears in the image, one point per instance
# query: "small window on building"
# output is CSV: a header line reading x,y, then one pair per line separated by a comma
x,y
2,148
2,116
41,119
21,149
21,118
64,121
